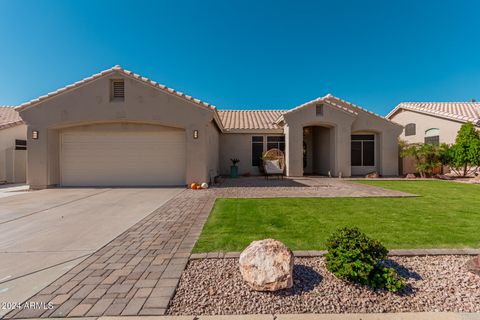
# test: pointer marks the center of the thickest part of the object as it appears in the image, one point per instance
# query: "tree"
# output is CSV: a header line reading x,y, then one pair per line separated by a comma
x,y
464,155
427,157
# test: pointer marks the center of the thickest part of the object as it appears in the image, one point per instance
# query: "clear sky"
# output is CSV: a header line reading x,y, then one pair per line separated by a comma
x,y
249,54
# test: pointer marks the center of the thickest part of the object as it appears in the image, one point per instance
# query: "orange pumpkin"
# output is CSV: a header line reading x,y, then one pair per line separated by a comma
x,y
194,185
198,187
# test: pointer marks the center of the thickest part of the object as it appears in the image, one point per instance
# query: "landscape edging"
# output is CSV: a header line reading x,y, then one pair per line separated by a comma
x,y
319,253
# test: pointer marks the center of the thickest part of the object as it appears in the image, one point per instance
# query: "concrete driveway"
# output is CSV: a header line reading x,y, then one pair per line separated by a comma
x,y
45,233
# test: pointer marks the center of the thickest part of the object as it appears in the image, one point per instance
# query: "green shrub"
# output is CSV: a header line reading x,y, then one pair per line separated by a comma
x,y
355,257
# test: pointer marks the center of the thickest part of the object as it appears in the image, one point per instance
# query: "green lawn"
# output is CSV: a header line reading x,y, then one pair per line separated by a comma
x,y
445,215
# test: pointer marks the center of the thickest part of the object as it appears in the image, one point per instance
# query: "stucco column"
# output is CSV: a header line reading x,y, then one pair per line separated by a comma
x,y
343,134
37,158
197,157
388,162
294,150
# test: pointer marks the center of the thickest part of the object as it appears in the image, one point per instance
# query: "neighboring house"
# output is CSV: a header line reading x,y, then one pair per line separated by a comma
x,y
117,128
13,146
434,122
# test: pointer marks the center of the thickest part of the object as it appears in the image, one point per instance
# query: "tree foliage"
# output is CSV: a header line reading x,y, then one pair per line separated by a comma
x,y
427,157
463,156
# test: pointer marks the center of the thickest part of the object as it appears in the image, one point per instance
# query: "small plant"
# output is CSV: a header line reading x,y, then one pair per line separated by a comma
x,y
355,257
235,161
427,157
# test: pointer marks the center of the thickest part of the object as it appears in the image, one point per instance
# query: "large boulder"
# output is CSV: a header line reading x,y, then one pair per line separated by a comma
x,y
267,265
473,265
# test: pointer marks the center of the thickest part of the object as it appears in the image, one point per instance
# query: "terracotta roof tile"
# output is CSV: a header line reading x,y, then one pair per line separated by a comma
x,y
250,119
9,117
458,111
116,68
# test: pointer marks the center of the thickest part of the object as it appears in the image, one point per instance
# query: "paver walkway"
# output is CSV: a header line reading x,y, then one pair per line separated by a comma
x,y
258,187
137,273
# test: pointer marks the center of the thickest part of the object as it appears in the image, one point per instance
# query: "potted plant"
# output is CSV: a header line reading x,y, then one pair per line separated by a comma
x,y
234,168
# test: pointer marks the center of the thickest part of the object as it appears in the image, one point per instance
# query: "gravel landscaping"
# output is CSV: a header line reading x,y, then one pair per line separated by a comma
x,y
434,283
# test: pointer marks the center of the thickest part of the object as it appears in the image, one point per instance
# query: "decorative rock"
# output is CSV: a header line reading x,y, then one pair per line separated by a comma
x,y
372,175
267,265
411,176
443,177
473,265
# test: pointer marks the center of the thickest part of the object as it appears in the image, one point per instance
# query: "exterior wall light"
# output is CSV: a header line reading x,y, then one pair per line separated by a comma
x,y
35,134
195,134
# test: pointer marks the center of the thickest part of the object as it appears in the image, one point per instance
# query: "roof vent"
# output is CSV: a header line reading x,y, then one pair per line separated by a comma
x,y
118,90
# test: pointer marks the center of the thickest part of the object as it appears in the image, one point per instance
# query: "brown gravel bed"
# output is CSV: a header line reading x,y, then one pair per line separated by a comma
x,y
434,283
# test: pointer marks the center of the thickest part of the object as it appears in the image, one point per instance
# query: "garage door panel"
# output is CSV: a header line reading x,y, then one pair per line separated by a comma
x,y
123,158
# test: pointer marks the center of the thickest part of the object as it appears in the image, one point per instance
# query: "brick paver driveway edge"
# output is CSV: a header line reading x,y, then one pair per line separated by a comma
x,y
137,272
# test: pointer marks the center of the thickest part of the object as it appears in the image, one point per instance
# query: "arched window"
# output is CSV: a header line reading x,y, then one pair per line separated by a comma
x,y
432,136
410,129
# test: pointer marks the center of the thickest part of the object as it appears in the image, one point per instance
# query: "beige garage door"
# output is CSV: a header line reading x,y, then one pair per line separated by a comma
x,y
123,158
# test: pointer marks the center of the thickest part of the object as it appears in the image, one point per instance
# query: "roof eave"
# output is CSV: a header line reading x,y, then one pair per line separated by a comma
x,y
255,131
451,117
127,73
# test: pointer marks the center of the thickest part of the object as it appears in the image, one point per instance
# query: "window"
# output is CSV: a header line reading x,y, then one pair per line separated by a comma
x,y
276,142
319,109
118,90
257,150
363,150
435,140
20,144
410,129
432,136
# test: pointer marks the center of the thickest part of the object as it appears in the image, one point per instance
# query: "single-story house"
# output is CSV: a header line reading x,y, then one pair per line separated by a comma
x,y
117,128
13,146
434,122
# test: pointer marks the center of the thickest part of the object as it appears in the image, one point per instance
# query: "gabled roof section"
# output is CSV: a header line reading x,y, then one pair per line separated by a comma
x,y
338,103
250,119
332,98
456,111
9,117
322,99
129,74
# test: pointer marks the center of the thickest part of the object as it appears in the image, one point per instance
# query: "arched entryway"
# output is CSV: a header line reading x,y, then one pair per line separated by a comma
x,y
319,150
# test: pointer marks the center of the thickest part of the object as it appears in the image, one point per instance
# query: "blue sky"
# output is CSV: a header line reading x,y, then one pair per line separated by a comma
x,y
249,54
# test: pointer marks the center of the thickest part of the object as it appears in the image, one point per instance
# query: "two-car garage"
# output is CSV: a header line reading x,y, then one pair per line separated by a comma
x,y
118,129
122,155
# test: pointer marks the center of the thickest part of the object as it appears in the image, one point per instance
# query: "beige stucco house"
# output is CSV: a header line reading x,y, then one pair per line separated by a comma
x,y
434,122
13,136
117,128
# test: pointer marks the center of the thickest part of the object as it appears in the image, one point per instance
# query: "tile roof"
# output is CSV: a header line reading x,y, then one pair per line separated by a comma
x,y
457,111
340,104
9,117
127,73
250,119
116,68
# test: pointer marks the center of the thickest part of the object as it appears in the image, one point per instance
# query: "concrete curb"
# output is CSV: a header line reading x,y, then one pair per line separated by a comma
x,y
319,253
333,316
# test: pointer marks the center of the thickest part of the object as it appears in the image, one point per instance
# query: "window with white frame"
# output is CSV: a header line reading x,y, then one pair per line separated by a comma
x,y
363,150
432,136
276,142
